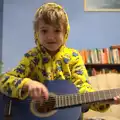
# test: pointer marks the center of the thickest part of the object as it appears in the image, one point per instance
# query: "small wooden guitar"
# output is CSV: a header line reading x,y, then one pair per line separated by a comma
x,y
64,103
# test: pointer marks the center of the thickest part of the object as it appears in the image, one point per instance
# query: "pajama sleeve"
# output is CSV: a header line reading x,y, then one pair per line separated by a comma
x,y
11,83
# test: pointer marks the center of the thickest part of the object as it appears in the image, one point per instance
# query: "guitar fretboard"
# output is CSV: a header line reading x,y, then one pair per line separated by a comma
x,y
88,97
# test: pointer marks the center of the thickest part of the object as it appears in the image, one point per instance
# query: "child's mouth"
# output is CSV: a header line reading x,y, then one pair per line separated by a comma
x,y
51,43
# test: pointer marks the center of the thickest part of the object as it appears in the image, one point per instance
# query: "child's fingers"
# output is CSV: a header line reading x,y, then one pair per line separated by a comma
x,y
37,90
45,92
35,93
117,99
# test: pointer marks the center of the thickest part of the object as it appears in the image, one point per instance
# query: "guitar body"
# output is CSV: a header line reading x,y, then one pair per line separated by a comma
x,y
21,108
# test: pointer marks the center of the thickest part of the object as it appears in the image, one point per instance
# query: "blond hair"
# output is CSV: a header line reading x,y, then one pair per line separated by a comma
x,y
53,14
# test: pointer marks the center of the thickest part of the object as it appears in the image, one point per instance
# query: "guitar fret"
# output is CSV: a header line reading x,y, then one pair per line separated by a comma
x,y
107,94
113,93
62,101
82,98
68,98
56,103
85,97
96,96
65,99
93,96
79,98
117,92
59,101
100,98
89,97
110,94
73,99
104,97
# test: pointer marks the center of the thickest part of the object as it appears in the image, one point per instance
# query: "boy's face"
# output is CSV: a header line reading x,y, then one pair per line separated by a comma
x,y
51,37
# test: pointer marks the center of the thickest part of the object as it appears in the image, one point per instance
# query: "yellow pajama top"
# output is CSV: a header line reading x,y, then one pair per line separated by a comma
x,y
38,65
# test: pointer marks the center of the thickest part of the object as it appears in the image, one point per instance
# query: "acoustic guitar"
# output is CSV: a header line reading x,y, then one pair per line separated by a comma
x,y
64,103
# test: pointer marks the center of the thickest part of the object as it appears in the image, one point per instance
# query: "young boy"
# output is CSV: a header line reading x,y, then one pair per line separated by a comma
x,y
49,60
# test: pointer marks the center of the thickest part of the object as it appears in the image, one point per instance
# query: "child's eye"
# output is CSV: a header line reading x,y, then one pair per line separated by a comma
x,y
44,31
57,31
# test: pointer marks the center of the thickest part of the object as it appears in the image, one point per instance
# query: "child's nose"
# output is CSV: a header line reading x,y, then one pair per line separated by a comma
x,y
51,36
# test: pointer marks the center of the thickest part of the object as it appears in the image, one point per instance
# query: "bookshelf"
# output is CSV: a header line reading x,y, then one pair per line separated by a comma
x,y
102,65
102,60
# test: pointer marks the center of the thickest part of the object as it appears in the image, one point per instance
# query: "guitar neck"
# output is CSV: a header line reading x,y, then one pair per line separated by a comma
x,y
86,98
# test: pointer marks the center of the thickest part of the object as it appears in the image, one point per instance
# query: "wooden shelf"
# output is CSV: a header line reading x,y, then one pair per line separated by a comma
x,y
115,47
102,66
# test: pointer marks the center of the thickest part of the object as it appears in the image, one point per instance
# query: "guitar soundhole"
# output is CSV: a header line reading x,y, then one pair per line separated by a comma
x,y
47,106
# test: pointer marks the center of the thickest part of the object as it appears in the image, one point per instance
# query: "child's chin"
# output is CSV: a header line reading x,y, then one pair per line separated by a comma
x,y
52,49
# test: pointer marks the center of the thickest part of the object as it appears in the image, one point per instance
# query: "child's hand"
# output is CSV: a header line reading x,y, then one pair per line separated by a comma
x,y
117,100
36,90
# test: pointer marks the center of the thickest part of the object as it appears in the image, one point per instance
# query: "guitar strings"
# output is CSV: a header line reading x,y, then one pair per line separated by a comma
x,y
52,99
50,105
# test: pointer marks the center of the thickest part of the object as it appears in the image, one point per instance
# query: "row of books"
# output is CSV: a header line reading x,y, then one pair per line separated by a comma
x,y
101,56
93,71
